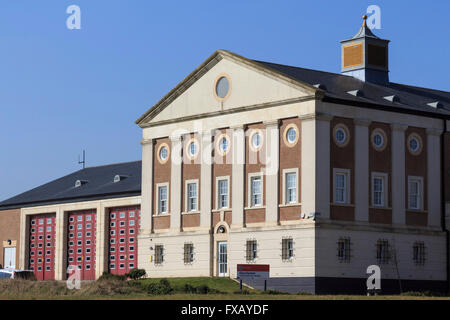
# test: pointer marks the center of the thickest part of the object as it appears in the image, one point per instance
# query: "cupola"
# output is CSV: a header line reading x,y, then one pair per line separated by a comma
x,y
365,56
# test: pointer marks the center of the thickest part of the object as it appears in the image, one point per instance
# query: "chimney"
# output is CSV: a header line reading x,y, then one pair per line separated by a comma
x,y
365,56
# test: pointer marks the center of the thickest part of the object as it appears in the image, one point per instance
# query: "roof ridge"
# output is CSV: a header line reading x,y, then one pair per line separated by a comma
x,y
417,87
290,66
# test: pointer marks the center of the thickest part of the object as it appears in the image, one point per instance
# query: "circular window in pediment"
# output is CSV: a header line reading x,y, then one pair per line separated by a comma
x,y
222,87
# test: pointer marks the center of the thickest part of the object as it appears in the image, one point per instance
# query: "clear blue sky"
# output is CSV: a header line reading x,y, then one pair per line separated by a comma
x,y
64,90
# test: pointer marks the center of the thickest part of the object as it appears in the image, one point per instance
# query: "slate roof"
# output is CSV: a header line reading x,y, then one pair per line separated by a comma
x,y
409,99
99,185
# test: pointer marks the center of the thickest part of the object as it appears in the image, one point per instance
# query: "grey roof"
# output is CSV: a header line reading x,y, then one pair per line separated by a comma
x,y
408,99
364,32
98,184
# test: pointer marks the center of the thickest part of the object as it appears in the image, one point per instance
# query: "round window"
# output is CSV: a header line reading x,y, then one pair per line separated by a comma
x,y
163,153
341,135
222,87
223,145
192,148
378,139
414,144
256,140
291,135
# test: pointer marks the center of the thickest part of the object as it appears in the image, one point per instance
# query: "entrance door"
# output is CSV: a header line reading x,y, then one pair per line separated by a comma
x,y
222,262
10,258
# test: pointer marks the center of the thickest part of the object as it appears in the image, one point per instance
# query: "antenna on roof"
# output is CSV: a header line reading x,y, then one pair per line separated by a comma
x,y
84,159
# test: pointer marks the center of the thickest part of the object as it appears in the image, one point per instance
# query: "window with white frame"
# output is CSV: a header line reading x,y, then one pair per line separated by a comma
x,y
379,189
192,196
162,199
415,193
256,191
222,193
291,187
341,186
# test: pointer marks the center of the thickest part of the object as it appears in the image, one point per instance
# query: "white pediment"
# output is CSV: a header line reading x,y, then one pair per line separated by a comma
x,y
251,85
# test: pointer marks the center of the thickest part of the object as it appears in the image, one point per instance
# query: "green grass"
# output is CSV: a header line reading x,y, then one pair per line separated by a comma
x,y
120,289
224,285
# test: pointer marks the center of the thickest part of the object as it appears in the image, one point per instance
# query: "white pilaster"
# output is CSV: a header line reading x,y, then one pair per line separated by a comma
x,y
362,169
147,187
315,177
175,183
398,174
434,177
238,177
101,248
206,180
272,171
60,244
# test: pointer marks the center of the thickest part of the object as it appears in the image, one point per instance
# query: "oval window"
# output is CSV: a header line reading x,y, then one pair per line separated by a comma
x,y
340,135
222,87
223,145
414,144
192,148
291,135
163,153
256,140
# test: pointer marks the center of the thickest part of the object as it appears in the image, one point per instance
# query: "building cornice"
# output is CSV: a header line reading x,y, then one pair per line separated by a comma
x,y
399,127
362,122
434,131
231,111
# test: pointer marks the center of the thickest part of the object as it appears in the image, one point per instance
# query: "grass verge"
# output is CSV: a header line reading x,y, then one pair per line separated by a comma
x,y
166,289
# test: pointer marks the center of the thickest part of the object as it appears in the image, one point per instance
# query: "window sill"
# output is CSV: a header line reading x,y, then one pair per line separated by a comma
x,y
417,210
382,208
190,212
296,204
342,204
161,215
221,210
255,208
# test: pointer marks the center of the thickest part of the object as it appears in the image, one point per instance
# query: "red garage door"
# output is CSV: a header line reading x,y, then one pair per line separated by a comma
x,y
42,246
81,243
123,230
